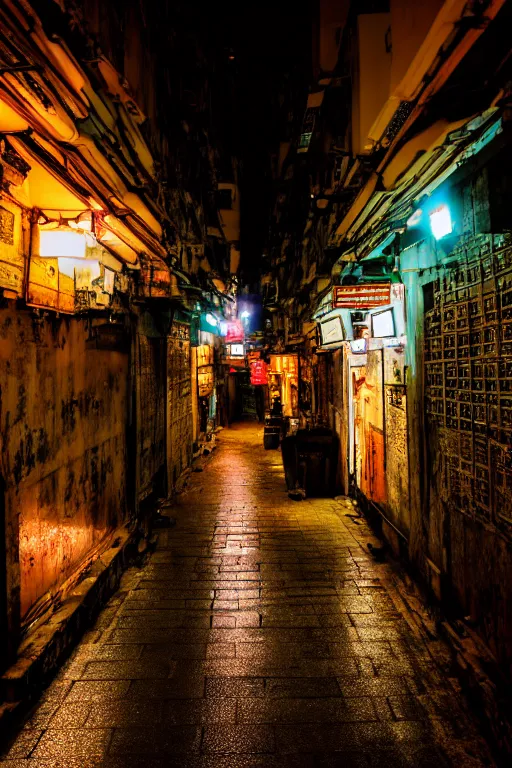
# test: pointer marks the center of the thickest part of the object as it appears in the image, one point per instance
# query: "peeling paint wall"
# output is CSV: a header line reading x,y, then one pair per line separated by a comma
x,y
397,448
369,423
63,450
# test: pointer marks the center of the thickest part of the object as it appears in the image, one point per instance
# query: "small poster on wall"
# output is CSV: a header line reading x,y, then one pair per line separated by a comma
x,y
258,372
205,380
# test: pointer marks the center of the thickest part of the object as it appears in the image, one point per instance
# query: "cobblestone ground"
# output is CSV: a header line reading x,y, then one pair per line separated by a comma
x,y
259,634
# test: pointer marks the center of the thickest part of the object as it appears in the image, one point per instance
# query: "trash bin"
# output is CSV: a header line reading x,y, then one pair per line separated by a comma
x,y
317,458
309,459
272,432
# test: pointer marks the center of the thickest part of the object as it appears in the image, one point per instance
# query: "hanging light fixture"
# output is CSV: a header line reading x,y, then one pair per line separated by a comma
x,y
441,222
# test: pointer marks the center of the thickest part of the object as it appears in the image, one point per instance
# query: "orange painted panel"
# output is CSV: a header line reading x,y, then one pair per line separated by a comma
x,y
369,426
377,468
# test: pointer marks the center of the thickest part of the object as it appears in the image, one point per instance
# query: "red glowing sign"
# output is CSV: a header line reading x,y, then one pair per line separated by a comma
x,y
258,372
363,296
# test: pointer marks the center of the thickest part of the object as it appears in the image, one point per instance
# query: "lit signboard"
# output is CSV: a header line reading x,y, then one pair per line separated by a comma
x,y
235,350
383,324
363,296
258,372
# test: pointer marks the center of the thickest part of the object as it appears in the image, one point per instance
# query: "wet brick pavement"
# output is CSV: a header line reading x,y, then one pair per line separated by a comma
x,y
259,634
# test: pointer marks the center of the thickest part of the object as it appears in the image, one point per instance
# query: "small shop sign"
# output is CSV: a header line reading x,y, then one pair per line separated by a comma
x,y
258,372
234,350
363,296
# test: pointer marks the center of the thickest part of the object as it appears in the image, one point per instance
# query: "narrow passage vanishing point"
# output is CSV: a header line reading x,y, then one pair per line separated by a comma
x,y
260,633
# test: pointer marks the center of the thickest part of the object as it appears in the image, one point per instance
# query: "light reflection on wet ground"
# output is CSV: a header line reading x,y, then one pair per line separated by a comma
x,y
260,633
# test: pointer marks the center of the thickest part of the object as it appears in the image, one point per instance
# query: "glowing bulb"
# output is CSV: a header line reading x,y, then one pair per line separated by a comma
x,y
211,319
245,314
441,222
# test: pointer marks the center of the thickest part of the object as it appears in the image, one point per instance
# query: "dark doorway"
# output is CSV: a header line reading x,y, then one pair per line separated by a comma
x,y
3,580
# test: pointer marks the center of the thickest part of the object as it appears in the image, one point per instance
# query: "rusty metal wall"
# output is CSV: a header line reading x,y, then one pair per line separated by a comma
x,y
151,395
179,402
468,379
63,450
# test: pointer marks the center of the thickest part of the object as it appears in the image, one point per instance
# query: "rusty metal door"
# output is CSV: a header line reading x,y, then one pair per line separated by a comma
x,y
4,634
179,402
150,415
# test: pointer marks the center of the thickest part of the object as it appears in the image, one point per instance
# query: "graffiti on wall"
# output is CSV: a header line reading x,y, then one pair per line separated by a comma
x,y
62,428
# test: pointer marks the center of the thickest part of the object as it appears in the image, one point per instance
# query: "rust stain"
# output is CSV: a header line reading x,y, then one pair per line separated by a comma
x,y
65,466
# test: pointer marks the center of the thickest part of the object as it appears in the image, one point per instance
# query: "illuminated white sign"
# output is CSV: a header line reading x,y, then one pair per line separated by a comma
x,y
62,243
383,324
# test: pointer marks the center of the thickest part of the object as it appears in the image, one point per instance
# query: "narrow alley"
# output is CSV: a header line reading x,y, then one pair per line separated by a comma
x,y
260,632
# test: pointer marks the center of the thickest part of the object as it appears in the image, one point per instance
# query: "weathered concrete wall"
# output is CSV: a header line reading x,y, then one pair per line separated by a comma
x,y
459,407
468,389
396,440
63,450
